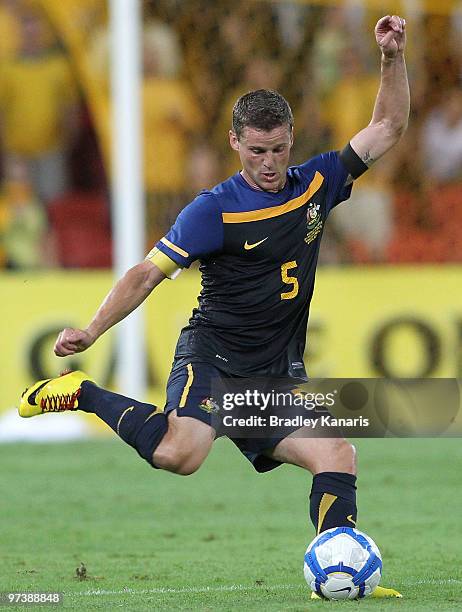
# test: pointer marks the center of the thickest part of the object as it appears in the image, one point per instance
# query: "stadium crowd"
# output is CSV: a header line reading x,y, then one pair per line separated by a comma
x,y
198,57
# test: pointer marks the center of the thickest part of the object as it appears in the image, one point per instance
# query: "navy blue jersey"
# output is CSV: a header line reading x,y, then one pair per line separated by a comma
x,y
258,252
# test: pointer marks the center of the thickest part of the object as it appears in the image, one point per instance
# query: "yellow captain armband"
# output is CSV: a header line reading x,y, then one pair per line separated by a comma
x,y
166,265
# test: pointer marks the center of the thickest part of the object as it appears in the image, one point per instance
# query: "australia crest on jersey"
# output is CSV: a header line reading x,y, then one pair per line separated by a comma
x,y
313,222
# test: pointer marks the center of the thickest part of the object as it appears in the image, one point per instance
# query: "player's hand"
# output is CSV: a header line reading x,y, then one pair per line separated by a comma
x,y
390,34
71,341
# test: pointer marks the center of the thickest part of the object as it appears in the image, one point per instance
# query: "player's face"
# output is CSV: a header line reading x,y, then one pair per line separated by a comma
x,y
264,155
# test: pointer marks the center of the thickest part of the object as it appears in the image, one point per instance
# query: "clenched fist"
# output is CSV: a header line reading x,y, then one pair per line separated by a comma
x,y
71,341
390,34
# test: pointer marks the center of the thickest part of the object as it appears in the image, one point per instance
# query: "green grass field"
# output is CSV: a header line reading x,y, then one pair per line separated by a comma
x,y
224,538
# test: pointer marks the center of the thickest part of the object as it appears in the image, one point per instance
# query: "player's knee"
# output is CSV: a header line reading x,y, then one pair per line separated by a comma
x,y
177,461
188,467
337,455
343,455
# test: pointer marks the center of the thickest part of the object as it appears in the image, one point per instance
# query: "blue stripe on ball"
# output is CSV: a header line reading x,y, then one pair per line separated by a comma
x,y
341,567
313,563
368,569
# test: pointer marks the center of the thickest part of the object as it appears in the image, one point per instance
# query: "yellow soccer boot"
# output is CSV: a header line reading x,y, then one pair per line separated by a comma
x,y
378,592
53,394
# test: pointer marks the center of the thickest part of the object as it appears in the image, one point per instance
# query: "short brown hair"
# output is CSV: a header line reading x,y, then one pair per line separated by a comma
x,y
263,109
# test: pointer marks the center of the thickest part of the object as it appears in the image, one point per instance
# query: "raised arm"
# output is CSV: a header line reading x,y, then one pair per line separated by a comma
x,y
129,292
391,110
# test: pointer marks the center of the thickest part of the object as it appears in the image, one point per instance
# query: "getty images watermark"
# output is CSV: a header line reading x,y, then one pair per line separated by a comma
x,y
371,408
311,410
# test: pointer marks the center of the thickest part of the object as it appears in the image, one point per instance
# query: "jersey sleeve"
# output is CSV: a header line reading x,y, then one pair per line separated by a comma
x,y
332,168
196,233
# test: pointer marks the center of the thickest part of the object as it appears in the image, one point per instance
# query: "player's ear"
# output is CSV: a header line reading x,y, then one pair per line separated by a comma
x,y
233,140
291,135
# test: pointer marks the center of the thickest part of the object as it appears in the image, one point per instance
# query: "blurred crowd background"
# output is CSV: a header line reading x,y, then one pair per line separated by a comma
x,y
198,57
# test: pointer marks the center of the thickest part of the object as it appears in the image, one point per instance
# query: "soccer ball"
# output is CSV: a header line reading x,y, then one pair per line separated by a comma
x,y
343,563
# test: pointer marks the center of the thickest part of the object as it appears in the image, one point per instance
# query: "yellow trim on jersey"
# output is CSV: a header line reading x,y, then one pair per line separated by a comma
x,y
175,248
324,506
166,265
275,211
189,382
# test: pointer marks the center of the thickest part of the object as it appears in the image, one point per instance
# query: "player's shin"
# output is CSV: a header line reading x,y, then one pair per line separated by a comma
x,y
140,425
333,500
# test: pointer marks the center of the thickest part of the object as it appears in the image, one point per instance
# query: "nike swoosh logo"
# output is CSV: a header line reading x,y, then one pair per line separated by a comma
x,y
340,590
32,396
248,246
350,518
122,416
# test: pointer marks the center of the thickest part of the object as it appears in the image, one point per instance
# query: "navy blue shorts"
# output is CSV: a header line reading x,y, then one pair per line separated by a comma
x,y
189,392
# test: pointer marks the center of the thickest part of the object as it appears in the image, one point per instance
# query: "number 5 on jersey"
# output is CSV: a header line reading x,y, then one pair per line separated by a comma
x,y
289,280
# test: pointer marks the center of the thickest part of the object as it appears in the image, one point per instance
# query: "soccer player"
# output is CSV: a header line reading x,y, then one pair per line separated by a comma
x,y
257,238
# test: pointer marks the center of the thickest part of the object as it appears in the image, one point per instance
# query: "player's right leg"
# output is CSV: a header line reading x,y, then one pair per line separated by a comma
x,y
189,405
185,446
165,440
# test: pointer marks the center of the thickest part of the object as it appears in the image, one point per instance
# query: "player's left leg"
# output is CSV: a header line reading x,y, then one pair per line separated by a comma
x,y
332,461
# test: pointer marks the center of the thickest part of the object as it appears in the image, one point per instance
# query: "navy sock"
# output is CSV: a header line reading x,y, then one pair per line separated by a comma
x,y
333,500
140,425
